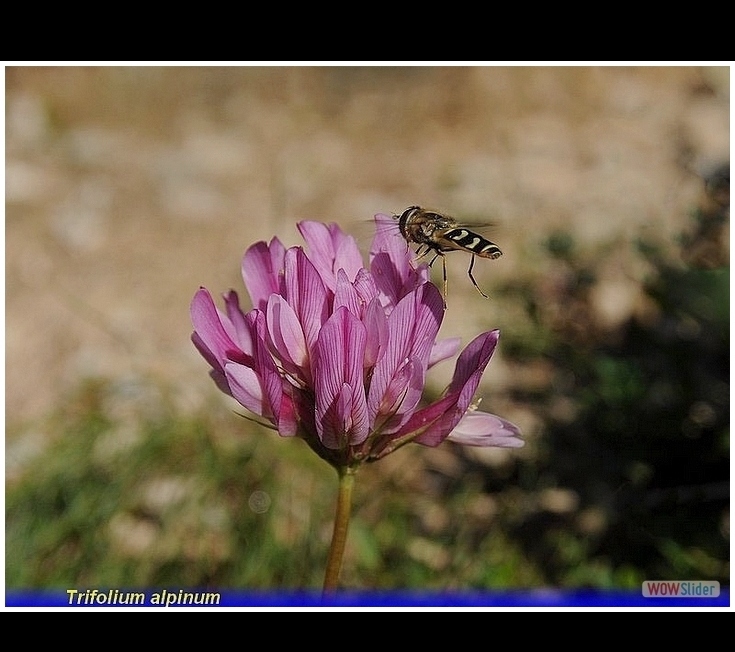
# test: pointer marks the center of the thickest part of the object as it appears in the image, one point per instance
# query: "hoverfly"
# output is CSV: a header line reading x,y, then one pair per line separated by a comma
x,y
438,233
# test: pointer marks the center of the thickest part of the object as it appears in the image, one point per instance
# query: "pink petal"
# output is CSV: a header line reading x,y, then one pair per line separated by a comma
x,y
474,359
213,332
412,329
443,350
429,316
256,384
262,265
483,429
287,338
244,383
365,287
321,249
237,318
288,422
341,409
305,293
391,262
270,377
376,325
467,374
428,425
401,397
330,250
346,295
357,295
347,255
343,423
215,362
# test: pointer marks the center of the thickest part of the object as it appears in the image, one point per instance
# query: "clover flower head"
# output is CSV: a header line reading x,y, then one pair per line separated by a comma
x,y
337,353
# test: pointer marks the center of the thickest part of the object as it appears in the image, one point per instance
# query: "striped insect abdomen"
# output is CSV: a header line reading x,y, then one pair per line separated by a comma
x,y
461,238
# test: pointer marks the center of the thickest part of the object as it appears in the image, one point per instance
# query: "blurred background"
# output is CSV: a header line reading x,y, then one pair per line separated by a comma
x,y
127,188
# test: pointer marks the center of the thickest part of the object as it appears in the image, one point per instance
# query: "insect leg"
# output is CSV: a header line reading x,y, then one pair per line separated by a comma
x,y
444,271
472,278
420,254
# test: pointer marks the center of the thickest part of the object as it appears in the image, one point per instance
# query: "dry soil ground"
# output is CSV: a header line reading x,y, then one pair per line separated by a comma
x,y
129,187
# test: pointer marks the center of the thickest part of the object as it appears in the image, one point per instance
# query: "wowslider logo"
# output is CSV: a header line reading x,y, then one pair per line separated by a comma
x,y
678,589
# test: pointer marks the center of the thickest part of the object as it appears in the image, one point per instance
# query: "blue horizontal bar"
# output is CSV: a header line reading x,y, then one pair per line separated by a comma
x,y
207,598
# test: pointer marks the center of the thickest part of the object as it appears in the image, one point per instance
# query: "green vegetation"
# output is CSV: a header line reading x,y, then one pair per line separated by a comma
x,y
222,503
626,477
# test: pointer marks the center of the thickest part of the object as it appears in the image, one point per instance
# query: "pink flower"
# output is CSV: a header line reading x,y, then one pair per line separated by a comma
x,y
337,353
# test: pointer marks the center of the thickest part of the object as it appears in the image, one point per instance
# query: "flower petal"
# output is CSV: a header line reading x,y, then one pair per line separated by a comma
x,y
428,420
483,429
246,389
305,293
237,319
337,354
400,397
213,332
287,338
467,373
288,419
365,287
330,250
257,385
412,329
376,325
444,349
390,262
270,378
473,360
429,316
347,254
341,409
346,295
262,265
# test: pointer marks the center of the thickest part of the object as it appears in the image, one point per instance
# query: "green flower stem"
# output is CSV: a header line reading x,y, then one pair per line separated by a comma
x,y
341,523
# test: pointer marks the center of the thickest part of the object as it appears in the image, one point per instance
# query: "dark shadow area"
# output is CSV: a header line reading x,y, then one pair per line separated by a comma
x,y
636,420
